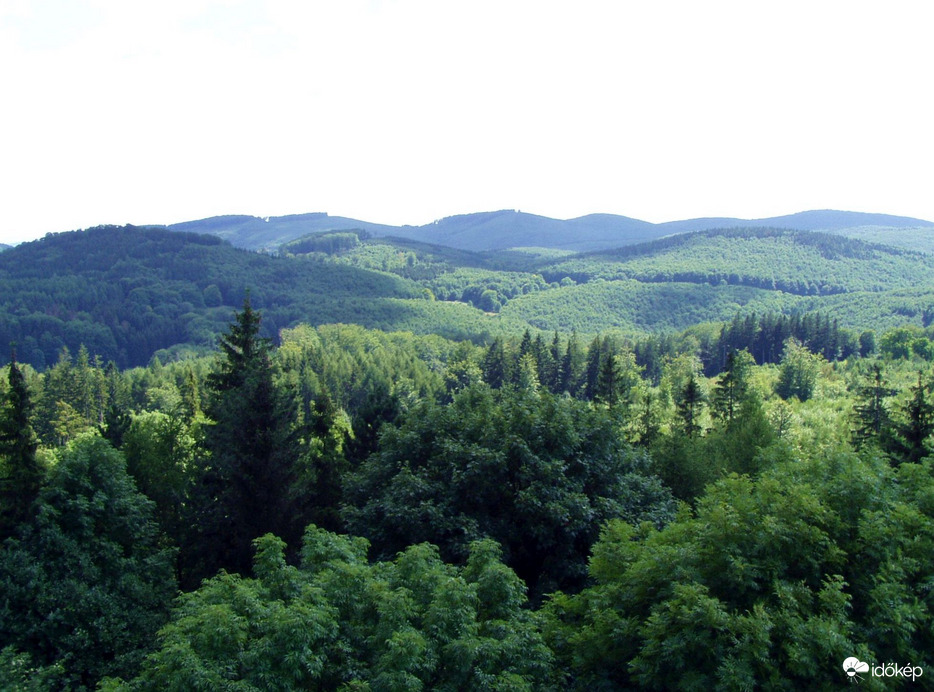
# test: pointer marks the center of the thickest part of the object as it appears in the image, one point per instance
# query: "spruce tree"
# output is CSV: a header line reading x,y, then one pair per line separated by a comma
x,y
21,473
872,422
690,406
732,386
246,486
912,435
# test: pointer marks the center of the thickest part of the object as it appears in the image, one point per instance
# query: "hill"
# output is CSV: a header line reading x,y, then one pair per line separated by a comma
x,y
670,283
797,262
500,230
127,292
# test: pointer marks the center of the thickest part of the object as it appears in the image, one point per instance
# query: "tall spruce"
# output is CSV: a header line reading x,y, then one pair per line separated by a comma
x,y
872,422
21,473
690,405
246,486
912,435
732,386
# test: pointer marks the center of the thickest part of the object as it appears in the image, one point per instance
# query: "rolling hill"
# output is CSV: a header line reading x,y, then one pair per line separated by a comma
x,y
126,293
500,230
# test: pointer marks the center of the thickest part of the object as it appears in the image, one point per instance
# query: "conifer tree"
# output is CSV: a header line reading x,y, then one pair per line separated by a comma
x,y
732,386
20,473
690,406
494,365
912,435
246,486
871,415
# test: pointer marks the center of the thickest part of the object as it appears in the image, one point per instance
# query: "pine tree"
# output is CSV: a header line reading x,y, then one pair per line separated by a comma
x,y
246,487
494,365
732,387
912,435
690,406
607,390
872,421
21,473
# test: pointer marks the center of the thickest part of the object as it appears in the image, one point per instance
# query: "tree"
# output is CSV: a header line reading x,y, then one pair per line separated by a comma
x,y
245,485
338,622
732,386
797,375
20,472
535,472
690,404
89,581
871,418
911,435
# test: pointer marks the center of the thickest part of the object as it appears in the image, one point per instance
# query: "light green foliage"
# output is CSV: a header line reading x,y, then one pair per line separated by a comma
x,y
771,582
414,623
87,583
789,261
797,375
160,453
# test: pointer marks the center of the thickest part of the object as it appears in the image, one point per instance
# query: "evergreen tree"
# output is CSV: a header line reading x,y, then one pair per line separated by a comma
x,y
569,373
690,405
912,435
20,473
732,386
871,415
608,384
494,365
245,488
595,356
553,376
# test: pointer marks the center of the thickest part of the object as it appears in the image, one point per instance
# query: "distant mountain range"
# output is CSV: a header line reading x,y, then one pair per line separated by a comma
x,y
499,230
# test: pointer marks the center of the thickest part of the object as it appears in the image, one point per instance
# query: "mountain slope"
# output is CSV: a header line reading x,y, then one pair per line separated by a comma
x,y
513,229
128,292
798,262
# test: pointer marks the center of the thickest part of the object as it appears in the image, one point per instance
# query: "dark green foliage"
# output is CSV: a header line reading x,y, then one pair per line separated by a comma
x,y
537,473
126,292
414,623
871,418
20,472
913,432
690,404
87,584
732,388
245,486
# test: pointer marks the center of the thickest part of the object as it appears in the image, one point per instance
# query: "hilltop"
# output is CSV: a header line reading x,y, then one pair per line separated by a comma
x,y
500,230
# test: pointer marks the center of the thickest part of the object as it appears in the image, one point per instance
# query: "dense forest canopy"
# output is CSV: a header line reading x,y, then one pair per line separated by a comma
x,y
379,464
127,293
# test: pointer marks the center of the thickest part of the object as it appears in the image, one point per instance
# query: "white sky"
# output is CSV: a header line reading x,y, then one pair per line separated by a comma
x,y
120,111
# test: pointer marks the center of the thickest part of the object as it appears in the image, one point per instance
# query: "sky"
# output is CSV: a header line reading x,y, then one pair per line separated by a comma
x,y
403,112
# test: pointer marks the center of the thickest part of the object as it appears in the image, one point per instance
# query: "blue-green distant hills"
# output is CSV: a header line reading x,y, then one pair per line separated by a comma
x,y
500,230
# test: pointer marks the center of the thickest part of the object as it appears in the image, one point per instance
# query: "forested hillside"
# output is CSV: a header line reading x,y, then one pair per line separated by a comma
x,y
128,293
735,505
500,230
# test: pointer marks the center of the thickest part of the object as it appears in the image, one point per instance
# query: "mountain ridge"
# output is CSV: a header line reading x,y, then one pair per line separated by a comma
x,y
503,229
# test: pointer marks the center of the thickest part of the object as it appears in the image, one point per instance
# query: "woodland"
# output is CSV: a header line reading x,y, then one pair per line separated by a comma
x,y
371,464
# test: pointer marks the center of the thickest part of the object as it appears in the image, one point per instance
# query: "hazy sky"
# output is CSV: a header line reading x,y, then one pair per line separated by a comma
x,y
121,111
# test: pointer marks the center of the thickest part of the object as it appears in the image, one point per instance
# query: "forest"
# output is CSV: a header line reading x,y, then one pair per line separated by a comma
x,y
741,504
126,293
